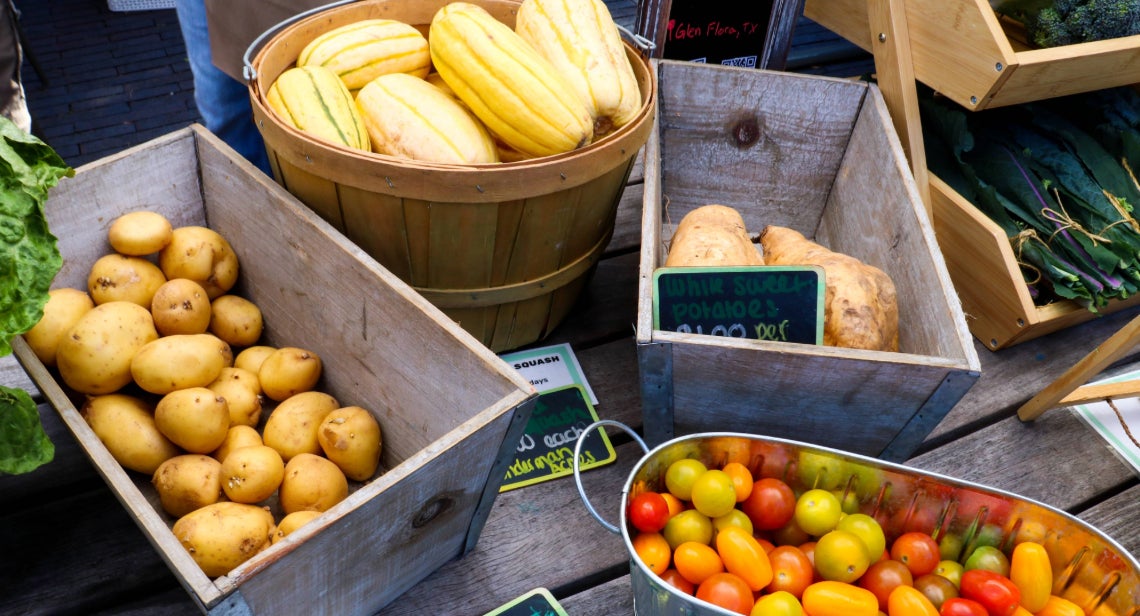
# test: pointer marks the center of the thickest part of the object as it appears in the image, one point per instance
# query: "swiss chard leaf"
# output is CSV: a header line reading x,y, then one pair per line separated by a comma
x,y
24,446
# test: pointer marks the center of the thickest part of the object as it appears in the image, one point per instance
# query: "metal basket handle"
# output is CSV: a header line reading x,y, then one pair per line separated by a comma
x,y
247,58
577,469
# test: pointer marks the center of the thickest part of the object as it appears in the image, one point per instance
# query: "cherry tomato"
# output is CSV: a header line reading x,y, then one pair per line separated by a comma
x,y
792,571
1032,573
745,557
653,550
868,530
713,493
936,588
770,504
689,525
790,534
817,511
681,475
1059,606
951,570
727,591
959,606
908,601
674,578
741,479
841,556
735,518
918,551
828,598
994,591
648,512
883,577
779,603
990,558
696,561
675,504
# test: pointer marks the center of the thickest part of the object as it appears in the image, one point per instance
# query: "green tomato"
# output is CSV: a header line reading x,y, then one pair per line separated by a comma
x,y
989,558
681,475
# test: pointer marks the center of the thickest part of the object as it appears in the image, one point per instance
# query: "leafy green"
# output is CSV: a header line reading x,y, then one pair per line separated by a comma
x,y
29,168
24,446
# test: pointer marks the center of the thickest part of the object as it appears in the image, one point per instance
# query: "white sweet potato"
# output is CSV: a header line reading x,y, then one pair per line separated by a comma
x,y
712,236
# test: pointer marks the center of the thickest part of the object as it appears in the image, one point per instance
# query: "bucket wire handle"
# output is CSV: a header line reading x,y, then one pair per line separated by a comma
x,y
578,472
644,44
248,71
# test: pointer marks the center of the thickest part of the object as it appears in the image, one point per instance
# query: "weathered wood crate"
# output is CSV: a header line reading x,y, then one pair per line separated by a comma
x,y
963,50
818,155
451,412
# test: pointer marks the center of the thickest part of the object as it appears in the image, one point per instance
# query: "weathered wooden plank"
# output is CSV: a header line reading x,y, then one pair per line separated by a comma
x,y
1117,517
613,597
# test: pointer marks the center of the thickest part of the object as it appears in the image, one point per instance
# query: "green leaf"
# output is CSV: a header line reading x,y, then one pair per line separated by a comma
x,y
24,446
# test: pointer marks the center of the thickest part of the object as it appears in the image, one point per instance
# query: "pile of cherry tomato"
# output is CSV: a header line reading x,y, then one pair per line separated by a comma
x,y
754,546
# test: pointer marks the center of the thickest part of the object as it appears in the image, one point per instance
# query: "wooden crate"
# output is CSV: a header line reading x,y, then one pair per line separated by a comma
x,y
451,411
828,164
963,50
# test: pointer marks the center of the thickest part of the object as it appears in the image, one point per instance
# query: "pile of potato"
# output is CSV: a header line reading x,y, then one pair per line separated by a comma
x,y
150,343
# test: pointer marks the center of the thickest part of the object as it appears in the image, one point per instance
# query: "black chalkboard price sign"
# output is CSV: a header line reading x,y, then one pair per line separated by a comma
x,y
729,33
763,302
538,602
546,449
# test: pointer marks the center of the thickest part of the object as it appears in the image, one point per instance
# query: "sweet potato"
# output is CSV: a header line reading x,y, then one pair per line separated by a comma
x,y
860,306
711,236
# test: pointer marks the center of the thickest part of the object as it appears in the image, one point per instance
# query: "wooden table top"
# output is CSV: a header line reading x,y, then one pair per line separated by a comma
x,y
68,547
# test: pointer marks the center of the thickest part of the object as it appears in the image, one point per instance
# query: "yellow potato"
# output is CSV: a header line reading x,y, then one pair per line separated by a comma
x,y
288,371
117,277
292,426
62,310
236,320
250,358
180,361
139,233
125,424
237,437
224,535
94,357
202,255
180,306
292,522
311,483
350,437
242,392
188,482
252,474
196,419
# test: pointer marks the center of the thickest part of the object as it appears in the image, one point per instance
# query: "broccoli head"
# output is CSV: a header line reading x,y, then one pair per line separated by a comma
x,y
1077,21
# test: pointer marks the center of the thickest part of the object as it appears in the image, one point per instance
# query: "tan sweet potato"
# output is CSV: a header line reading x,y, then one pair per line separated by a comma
x,y
712,236
860,307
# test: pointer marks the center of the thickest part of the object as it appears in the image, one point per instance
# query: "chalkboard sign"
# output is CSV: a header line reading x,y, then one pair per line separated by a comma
x,y
538,602
730,33
764,302
546,449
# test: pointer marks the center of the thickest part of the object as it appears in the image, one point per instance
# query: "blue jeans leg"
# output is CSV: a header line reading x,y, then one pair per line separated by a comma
x,y
223,102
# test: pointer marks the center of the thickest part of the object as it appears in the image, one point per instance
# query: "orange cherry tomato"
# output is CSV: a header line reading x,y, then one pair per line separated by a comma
x,y
741,479
1059,606
909,601
918,551
829,598
743,555
674,578
1032,573
791,570
728,591
653,550
697,561
779,603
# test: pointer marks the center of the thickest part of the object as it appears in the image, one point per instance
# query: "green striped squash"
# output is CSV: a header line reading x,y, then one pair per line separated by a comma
x,y
315,100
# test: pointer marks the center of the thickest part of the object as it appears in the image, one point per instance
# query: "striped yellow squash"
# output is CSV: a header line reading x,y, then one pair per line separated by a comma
x,y
361,51
315,100
517,93
581,40
408,117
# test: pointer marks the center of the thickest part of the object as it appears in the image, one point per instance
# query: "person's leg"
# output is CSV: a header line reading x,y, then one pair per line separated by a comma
x,y
223,102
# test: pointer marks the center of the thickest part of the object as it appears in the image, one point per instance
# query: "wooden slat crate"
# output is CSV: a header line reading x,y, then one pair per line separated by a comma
x,y
963,50
451,412
826,163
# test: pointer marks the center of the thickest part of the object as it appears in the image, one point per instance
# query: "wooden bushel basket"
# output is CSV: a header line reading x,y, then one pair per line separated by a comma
x,y
504,249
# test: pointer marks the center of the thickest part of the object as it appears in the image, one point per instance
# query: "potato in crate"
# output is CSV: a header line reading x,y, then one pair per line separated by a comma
x,y
819,157
450,411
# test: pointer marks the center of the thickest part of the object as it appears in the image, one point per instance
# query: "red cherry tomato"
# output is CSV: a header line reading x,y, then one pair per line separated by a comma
x,y
994,591
918,551
958,606
648,512
884,576
770,505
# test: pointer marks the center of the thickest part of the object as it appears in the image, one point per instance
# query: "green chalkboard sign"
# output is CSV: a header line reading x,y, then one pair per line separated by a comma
x,y
546,449
762,302
538,602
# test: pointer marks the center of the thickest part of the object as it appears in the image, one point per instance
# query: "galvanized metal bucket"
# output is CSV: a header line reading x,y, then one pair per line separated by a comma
x,y
1091,569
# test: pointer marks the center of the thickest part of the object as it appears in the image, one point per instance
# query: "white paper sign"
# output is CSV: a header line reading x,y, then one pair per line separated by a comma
x,y
1102,419
549,368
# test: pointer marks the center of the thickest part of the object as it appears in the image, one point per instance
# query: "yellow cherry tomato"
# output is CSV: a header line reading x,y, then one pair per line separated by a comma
x,y
828,598
1032,573
779,603
1059,606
